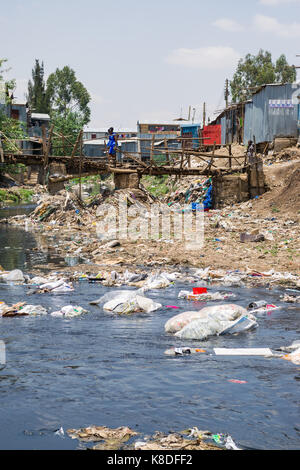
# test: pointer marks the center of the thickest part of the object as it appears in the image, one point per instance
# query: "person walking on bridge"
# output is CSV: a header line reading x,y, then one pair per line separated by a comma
x,y
112,145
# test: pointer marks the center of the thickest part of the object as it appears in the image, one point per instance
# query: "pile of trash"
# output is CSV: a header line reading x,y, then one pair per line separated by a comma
x,y
127,302
211,321
21,310
57,286
198,192
69,311
123,439
205,296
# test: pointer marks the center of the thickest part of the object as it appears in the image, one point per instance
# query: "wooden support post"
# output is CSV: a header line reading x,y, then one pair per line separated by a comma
x,y
230,154
167,153
182,154
77,143
1,150
48,147
152,149
80,167
63,144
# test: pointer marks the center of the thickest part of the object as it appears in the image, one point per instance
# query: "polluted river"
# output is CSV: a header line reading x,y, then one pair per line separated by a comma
x,y
112,370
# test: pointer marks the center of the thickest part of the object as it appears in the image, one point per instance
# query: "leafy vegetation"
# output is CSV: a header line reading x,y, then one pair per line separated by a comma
x,y
254,71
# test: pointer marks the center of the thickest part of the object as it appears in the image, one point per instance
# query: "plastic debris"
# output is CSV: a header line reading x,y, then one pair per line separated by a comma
x,y
69,311
205,296
16,276
102,433
210,321
234,381
243,352
126,304
293,357
184,351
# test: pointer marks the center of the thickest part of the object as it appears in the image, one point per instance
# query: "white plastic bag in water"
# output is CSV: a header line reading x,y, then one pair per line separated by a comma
x,y
34,310
13,276
225,312
200,329
125,304
69,311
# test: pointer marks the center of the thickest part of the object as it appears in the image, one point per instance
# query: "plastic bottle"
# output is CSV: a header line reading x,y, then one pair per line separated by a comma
x,y
258,304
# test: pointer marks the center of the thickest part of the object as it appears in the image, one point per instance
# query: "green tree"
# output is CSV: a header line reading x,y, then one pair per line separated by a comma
x,y
254,71
69,125
8,85
37,97
67,95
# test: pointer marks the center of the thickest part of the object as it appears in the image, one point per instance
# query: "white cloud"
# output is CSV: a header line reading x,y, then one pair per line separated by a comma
x,y
277,2
218,57
229,25
267,24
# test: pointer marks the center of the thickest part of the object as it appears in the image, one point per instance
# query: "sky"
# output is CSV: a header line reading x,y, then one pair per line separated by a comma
x,y
145,60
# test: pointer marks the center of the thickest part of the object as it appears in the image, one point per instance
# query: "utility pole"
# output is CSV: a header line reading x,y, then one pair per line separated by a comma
x,y
204,114
226,94
194,112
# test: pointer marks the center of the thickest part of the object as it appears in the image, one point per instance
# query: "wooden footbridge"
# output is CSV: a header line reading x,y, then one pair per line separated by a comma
x,y
183,161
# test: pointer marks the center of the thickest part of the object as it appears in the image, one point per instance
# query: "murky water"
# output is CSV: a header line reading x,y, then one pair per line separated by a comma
x,y
106,370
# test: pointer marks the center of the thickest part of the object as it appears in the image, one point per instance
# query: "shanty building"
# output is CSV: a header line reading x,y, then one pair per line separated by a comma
x,y
160,132
232,121
273,112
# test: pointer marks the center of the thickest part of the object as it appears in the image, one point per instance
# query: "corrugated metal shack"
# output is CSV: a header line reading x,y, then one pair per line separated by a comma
x,y
272,113
232,124
191,131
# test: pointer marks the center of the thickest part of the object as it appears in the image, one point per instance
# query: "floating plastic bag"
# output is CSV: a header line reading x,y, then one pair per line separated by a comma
x,y
57,287
225,312
69,311
158,282
200,329
13,276
34,310
294,357
123,304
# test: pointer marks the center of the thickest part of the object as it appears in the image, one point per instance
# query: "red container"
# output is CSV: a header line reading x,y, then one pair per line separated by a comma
x,y
199,290
212,134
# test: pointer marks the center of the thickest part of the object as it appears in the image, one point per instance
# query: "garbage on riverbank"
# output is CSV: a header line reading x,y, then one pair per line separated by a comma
x,y
210,321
